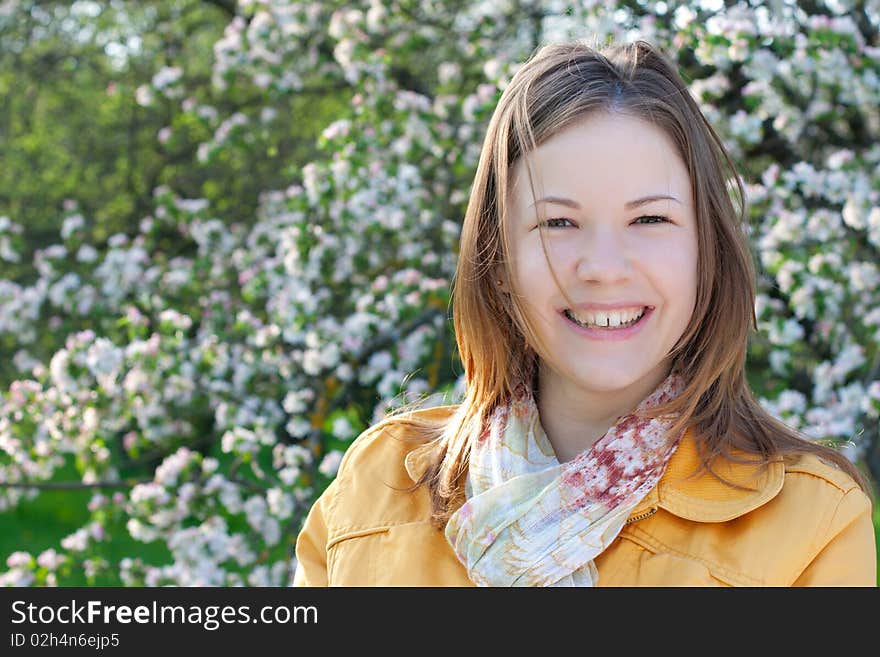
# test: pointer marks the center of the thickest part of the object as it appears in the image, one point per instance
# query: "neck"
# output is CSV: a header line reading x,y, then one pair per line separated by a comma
x,y
574,418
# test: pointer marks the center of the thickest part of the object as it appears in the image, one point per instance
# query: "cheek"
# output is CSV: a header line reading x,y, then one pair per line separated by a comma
x,y
533,277
679,281
533,266
530,261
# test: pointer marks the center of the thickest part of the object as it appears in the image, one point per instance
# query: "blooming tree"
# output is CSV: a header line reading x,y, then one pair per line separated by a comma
x,y
206,398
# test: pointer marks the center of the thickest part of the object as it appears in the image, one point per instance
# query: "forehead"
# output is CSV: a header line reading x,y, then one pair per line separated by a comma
x,y
604,156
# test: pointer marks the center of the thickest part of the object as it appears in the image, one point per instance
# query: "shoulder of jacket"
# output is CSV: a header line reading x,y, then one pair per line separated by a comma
x,y
820,496
372,489
811,468
388,441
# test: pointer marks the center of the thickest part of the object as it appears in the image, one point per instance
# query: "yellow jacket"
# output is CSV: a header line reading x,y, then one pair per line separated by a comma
x,y
807,524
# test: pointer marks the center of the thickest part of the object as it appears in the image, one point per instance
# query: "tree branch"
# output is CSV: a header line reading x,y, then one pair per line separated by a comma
x,y
73,485
864,24
379,342
345,394
128,483
382,341
226,5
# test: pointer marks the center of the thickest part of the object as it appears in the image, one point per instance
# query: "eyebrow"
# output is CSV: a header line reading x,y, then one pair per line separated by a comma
x,y
629,205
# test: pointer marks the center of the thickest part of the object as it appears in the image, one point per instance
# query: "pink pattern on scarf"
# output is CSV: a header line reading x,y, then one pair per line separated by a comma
x,y
512,532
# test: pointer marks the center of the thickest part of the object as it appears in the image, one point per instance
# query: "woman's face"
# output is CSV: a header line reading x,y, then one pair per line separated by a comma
x,y
622,238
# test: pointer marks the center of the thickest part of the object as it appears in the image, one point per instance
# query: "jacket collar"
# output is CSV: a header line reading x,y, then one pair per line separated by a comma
x,y
705,498
702,499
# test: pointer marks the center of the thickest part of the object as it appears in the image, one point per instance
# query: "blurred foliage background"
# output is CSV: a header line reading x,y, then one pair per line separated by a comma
x,y
107,112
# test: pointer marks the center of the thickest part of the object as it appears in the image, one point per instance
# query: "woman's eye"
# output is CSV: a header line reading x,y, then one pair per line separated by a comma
x,y
562,222
559,222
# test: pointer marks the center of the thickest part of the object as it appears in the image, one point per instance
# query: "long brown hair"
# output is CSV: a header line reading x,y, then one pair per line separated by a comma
x,y
562,84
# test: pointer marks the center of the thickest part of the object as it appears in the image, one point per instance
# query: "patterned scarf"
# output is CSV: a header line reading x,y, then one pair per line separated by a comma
x,y
531,521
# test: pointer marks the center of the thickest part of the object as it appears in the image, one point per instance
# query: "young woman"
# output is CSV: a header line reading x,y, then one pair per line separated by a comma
x,y
602,305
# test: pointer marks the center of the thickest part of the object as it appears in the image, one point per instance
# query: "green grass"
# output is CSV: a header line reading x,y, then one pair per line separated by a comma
x,y
39,524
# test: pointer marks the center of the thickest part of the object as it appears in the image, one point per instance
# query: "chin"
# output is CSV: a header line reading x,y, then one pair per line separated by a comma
x,y
601,381
617,373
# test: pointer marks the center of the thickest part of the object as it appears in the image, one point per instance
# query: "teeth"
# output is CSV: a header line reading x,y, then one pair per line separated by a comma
x,y
609,319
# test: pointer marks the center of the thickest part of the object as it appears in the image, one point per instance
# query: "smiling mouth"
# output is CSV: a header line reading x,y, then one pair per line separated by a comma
x,y
607,325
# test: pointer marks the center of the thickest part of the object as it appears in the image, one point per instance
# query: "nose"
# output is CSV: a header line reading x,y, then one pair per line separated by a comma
x,y
604,257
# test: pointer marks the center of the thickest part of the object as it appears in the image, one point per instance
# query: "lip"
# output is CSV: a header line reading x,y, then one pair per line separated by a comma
x,y
612,335
613,306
